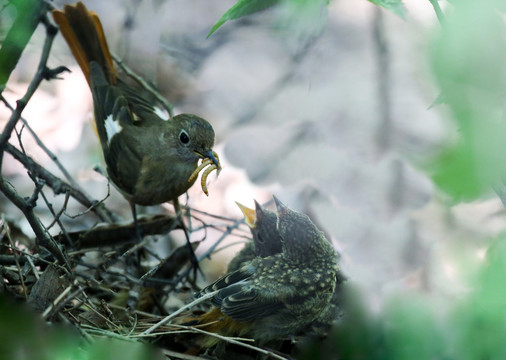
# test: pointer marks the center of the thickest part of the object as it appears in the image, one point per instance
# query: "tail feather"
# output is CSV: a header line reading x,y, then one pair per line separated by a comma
x,y
85,37
214,321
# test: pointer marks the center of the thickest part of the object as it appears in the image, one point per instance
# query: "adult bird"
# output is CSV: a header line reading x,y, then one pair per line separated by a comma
x,y
149,157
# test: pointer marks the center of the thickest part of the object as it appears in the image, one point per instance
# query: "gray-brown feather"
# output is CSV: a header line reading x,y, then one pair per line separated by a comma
x,y
284,293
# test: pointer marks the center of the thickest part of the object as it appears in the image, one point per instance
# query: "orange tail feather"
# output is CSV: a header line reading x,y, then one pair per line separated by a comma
x,y
85,37
213,321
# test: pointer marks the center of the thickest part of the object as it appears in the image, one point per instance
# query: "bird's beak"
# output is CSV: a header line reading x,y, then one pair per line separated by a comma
x,y
249,215
210,154
282,208
259,212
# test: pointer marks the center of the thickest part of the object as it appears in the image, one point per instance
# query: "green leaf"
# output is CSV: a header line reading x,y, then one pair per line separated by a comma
x,y
468,58
242,8
410,328
25,336
29,13
396,6
457,173
478,326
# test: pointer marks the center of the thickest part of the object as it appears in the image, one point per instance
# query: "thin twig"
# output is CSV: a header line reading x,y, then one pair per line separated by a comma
x,y
59,186
174,354
9,260
39,142
32,266
220,217
234,341
265,97
179,311
40,75
55,302
209,251
384,129
18,266
107,333
33,220
101,210
230,228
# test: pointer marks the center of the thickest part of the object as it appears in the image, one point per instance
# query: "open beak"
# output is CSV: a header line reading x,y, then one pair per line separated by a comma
x,y
249,215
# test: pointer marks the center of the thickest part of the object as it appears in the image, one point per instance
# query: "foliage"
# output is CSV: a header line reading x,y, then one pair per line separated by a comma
x,y
414,326
396,6
25,336
242,8
299,9
468,57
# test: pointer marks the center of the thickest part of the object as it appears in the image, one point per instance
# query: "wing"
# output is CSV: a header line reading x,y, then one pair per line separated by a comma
x,y
244,303
143,105
113,123
242,297
232,278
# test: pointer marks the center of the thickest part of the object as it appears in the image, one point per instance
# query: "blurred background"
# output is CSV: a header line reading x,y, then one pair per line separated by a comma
x,y
342,113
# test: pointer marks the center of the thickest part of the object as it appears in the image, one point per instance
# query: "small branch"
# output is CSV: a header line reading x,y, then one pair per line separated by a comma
x,y
230,228
172,354
59,186
35,260
51,32
208,252
233,341
179,311
54,182
266,97
39,142
33,220
62,299
384,130
6,260
118,234
16,258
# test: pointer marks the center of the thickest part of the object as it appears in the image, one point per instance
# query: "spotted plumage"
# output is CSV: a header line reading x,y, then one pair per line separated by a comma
x,y
282,294
265,242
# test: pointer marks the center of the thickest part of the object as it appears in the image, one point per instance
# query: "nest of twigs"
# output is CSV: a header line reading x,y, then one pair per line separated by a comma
x,y
112,286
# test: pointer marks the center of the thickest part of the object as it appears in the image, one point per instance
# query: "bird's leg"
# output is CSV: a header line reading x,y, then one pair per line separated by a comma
x,y
136,223
193,259
133,262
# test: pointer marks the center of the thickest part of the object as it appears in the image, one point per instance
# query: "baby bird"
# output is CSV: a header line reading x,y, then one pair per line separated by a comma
x,y
278,295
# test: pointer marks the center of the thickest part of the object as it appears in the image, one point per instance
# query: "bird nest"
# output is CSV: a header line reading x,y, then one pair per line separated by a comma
x,y
111,286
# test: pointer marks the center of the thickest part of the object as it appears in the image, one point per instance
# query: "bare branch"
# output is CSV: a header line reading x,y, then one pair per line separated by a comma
x,y
51,32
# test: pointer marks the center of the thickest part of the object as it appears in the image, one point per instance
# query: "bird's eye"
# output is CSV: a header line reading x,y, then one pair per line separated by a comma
x,y
183,137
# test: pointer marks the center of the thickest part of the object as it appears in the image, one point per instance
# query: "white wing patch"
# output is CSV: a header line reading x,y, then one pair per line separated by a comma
x,y
112,127
162,113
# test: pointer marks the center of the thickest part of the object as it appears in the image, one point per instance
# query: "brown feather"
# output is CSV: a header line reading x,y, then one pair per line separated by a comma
x,y
85,37
213,321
